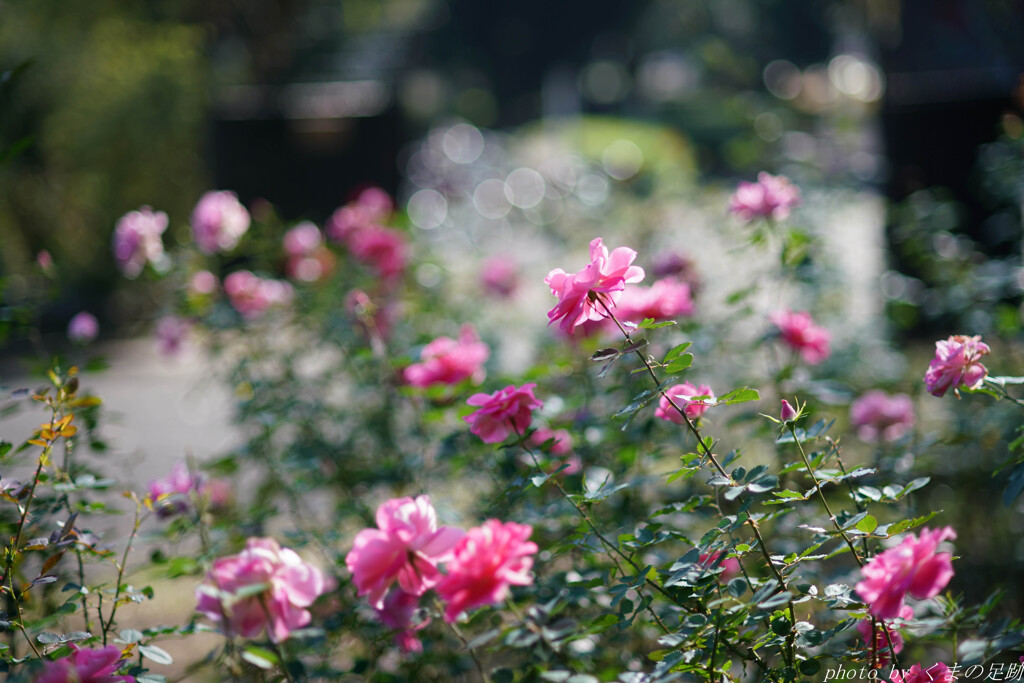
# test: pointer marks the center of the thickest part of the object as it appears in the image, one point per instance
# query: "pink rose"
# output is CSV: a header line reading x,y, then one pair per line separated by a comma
x,y
397,612
83,328
602,279
787,413
487,560
86,666
561,440
252,295
499,277
877,415
284,587
799,332
664,300
405,547
881,643
203,283
137,240
937,673
682,395
307,259
381,248
770,197
218,222
447,361
506,410
172,495
914,567
957,363
369,209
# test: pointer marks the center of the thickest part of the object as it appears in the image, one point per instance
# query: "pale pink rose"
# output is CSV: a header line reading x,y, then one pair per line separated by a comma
x,y
138,241
218,222
449,361
730,566
664,300
397,612
404,548
914,567
682,395
937,673
787,413
957,363
881,644
372,207
286,586
171,334
499,277
252,295
308,259
86,666
603,278
302,240
799,332
203,283
83,328
487,560
878,416
506,410
770,197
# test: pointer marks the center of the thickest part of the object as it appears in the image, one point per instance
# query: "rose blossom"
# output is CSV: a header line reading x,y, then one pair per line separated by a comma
x,y
681,395
880,641
83,328
914,566
603,279
664,300
381,248
800,333
499,277
397,612
202,283
449,361
86,666
252,295
218,222
502,412
787,413
137,240
770,197
370,208
289,586
172,494
487,560
957,363
877,415
937,673
308,260
406,547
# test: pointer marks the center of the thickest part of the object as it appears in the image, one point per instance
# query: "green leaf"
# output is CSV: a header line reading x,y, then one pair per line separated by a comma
x,y
156,654
260,658
741,395
649,324
867,525
904,525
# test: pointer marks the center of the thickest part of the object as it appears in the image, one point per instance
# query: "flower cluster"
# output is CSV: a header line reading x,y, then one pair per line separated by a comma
x,y
263,587
450,361
400,560
585,295
357,225
138,241
914,566
770,197
957,363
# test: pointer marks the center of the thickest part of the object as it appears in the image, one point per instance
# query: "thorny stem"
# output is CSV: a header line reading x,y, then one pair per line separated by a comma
x,y
714,461
465,643
821,495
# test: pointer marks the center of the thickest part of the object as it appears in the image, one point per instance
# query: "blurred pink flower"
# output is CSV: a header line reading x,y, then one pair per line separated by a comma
x,y
881,642
308,260
45,261
397,612
562,444
681,395
664,300
369,209
252,295
406,547
86,666
83,328
506,410
800,333
770,197
172,495
171,334
449,361
203,283
957,363
788,412
487,560
376,318
937,673
381,248
603,278
302,240
138,241
218,222
877,415
914,567
285,586
499,276
730,566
